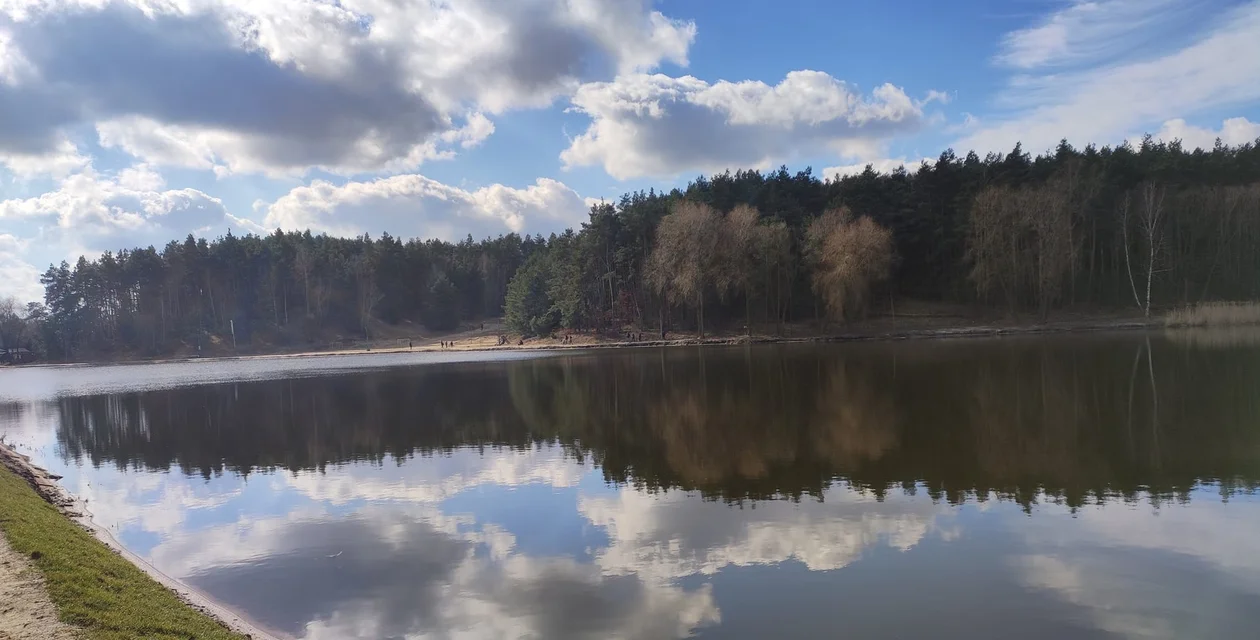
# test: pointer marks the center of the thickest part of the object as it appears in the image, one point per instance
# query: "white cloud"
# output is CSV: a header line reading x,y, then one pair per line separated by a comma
x,y
282,86
1219,70
97,213
14,67
1233,132
227,152
882,165
158,143
934,95
415,206
89,213
1091,30
655,125
62,159
140,177
18,278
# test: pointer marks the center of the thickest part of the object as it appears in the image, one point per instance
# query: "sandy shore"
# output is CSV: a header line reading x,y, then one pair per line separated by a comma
x,y
46,486
486,340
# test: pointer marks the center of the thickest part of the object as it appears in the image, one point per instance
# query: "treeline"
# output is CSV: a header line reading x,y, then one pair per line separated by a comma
x,y
281,289
1140,227
1155,225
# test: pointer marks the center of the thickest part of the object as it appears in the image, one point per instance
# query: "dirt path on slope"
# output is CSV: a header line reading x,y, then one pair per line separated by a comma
x,y
26,611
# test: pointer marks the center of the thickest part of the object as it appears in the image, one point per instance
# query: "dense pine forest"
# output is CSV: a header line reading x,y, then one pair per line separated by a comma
x,y
1145,227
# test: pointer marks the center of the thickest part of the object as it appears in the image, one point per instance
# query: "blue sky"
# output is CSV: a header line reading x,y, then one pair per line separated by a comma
x,y
133,122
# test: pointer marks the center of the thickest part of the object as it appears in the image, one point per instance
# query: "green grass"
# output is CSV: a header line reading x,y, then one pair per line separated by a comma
x,y
94,588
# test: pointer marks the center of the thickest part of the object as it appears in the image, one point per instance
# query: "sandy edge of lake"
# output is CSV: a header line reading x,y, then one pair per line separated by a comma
x,y
45,484
483,343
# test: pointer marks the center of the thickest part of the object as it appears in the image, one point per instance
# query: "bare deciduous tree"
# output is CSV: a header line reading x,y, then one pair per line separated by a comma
x,y
1048,213
775,251
12,322
994,244
682,263
750,256
1150,221
1023,242
848,257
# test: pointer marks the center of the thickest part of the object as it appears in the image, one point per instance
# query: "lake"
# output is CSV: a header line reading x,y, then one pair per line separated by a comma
x,y
1097,486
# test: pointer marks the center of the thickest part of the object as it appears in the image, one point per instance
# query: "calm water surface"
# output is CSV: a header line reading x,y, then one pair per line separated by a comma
x,y
1082,487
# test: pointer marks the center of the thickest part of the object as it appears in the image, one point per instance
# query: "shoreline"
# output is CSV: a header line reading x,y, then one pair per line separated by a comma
x,y
73,510
945,331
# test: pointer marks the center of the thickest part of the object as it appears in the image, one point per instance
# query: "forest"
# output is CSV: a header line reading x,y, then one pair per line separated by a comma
x,y
1142,227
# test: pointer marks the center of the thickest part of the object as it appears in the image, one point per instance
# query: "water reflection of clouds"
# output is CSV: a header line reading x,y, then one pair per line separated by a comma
x,y
30,427
675,535
153,503
389,571
436,477
375,550
397,564
393,564
379,557
1179,570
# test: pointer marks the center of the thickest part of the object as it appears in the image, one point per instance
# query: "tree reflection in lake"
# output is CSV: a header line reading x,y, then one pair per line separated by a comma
x,y
725,492
1070,419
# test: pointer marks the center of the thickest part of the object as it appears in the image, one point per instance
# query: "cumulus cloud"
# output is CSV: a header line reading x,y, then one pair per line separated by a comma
x,y
1106,102
656,125
94,213
1233,132
141,177
59,161
89,213
280,86
412,205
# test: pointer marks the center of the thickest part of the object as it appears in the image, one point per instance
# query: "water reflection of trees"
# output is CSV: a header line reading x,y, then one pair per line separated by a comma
x,y
1076,420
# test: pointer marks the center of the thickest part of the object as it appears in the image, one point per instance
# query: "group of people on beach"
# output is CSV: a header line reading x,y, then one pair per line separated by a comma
x,y
635,336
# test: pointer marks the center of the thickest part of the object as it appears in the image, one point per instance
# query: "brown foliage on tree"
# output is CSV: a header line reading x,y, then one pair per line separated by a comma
x,y
752,256
683,261
848,257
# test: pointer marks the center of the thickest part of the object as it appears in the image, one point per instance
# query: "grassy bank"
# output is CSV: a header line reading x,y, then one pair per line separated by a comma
x,y
93,588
